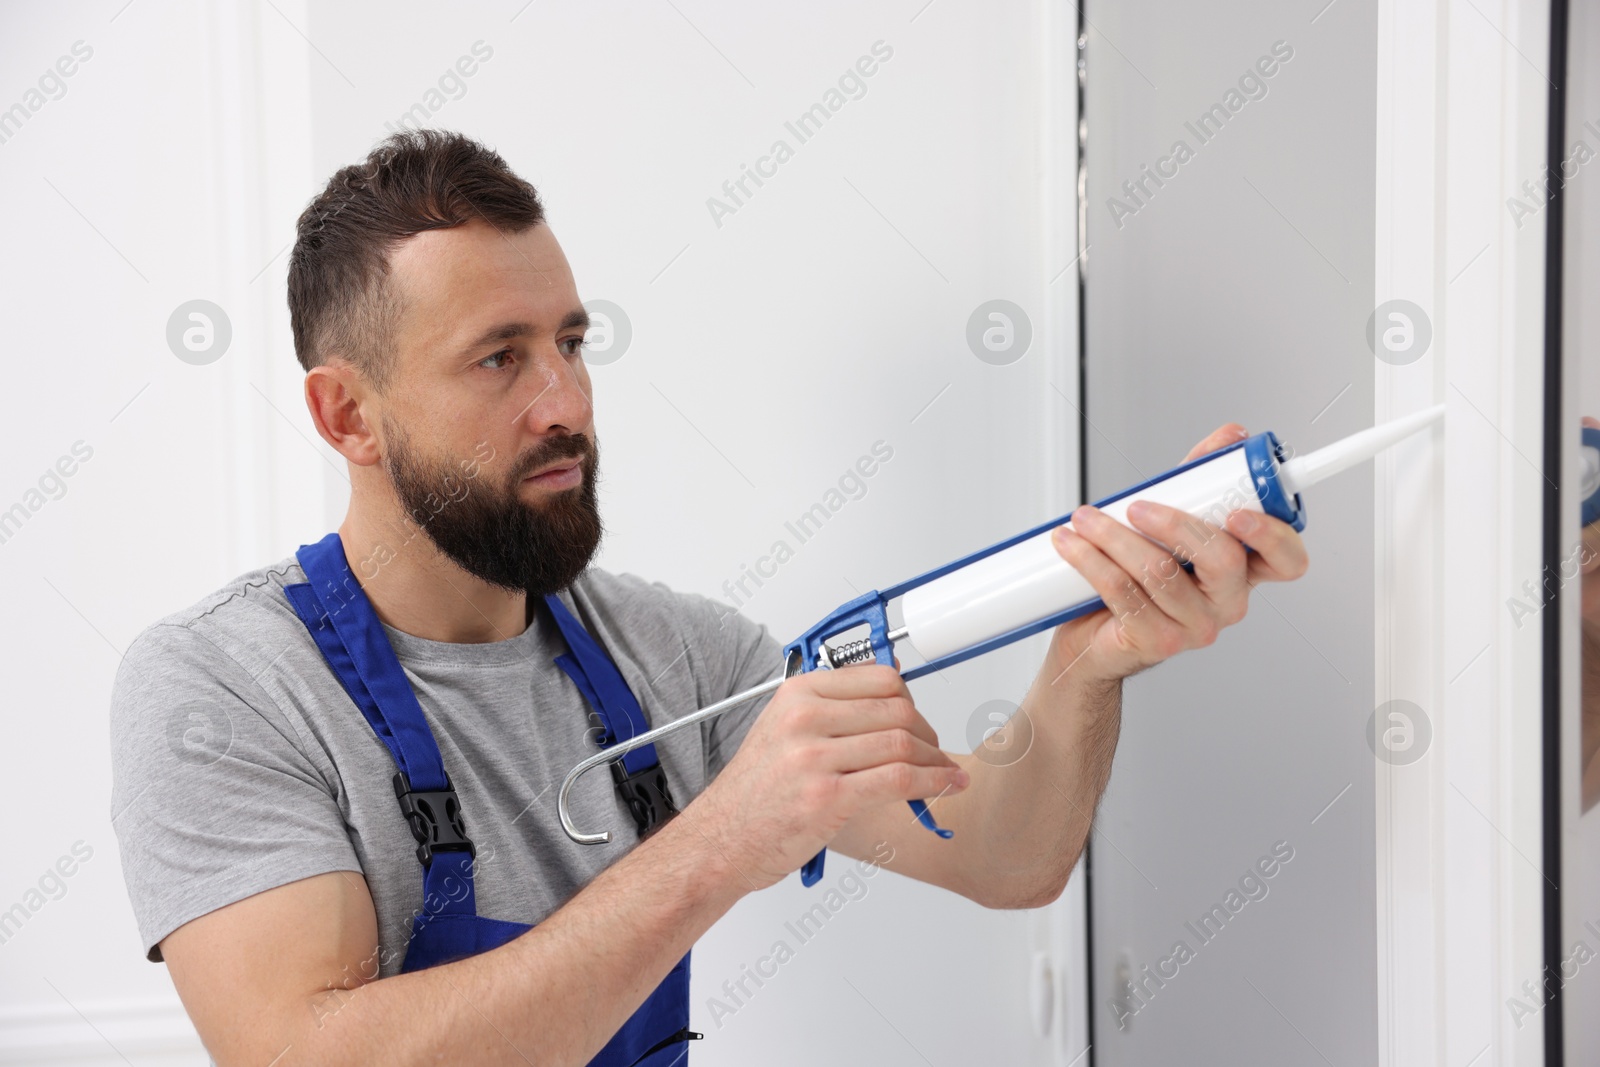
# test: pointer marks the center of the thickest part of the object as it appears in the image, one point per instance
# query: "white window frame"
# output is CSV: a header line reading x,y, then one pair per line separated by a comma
x,y
1462,106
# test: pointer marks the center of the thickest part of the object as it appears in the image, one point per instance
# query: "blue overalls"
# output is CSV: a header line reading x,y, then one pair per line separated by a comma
x,y
346,629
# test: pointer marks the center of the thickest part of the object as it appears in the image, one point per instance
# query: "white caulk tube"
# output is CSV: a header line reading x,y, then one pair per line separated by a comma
x,y
1029,581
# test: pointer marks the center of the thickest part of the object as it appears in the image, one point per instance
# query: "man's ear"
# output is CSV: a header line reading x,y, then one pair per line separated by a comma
x,y
339,401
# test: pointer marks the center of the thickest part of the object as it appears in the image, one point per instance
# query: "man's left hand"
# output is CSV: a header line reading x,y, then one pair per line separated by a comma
x,y
1154,608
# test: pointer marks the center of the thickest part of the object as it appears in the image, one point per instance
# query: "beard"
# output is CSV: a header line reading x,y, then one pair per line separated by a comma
x,y
483,525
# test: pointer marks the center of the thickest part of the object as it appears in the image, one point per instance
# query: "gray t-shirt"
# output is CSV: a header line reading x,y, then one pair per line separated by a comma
x,y
240,764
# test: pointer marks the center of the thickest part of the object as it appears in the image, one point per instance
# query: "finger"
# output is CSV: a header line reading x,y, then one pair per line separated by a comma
x,y
844,718
859,752
1280,552
903,781
1163,582
1121,594
1220,564
856,681
1227,434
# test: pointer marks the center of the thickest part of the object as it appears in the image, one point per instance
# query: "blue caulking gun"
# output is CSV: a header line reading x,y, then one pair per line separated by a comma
x,y
1022,585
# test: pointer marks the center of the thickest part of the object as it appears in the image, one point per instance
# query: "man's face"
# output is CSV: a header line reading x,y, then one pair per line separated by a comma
x,y
487,428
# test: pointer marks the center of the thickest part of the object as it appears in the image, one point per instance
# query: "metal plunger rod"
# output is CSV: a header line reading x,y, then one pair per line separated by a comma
x,y
622,748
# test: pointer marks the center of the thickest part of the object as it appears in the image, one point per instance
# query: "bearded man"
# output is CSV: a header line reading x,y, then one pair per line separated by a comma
x,y
335,777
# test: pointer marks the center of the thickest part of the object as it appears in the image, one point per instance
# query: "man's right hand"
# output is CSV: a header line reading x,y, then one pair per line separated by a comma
x,y
829,744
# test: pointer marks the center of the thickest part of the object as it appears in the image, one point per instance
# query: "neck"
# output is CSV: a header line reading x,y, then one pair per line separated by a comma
x,y
417,589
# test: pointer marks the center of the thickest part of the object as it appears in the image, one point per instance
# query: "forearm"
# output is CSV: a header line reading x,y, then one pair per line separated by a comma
x,y
1025,818
554,995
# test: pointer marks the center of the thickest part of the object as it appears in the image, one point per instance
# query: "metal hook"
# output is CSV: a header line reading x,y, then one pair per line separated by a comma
x,y
622,748
828,658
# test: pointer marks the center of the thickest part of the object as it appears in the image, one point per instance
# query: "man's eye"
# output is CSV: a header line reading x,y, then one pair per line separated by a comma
x,y
573,345
496,361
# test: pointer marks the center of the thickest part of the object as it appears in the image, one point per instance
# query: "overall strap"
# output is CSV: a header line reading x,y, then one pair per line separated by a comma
x,y
639,777
350,636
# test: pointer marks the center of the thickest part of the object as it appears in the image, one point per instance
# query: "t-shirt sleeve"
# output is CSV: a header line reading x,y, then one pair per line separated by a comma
x,y
213,799
738,653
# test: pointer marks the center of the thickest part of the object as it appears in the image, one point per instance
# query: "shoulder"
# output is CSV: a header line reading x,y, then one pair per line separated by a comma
x,y
656,625
626,596
230,636
655,611
650,619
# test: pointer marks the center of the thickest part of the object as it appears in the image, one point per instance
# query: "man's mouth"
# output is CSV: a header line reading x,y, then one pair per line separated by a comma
x,y
561,475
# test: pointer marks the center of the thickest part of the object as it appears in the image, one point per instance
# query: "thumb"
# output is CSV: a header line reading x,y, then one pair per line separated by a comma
x,y
1223,436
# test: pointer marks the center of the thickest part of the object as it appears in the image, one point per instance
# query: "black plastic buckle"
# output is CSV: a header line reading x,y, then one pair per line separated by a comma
x,y
646,794
434,817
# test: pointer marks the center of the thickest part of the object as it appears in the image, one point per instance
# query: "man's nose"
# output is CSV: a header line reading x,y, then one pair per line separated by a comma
x,y
560,398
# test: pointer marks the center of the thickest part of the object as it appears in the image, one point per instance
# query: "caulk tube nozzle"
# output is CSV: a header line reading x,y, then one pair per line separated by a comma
x,y
1307,470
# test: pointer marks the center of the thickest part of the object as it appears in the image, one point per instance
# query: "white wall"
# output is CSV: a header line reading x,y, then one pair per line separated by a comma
x,y
165,172
768,354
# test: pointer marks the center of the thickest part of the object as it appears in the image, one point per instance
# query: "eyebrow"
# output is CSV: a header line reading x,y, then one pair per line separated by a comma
x,y
509,331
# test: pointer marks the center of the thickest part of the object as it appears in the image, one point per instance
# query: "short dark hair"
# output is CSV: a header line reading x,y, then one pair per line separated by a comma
x,y
340,298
